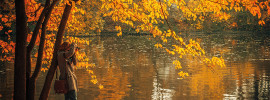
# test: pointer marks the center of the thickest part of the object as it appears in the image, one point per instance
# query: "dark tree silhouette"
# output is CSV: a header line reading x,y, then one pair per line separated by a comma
x,y
20,52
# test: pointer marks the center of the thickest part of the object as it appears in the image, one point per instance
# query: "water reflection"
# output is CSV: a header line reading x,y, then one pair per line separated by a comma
x,y
6,78
115,85
160,93
131,68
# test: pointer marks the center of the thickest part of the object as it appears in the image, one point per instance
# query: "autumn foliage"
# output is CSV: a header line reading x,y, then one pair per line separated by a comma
x,y
140,15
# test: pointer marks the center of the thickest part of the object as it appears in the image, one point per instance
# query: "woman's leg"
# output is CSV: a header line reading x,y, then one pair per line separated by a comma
x,y
66,96
71,95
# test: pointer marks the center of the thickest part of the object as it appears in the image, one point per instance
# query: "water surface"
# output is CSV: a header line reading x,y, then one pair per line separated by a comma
x,y
131,68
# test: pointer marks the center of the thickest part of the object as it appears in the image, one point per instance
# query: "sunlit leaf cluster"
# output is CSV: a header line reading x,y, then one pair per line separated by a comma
x,y
87,16
7,50
145,15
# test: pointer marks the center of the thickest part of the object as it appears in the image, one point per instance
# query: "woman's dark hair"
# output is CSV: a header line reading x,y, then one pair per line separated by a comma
x,y
64,46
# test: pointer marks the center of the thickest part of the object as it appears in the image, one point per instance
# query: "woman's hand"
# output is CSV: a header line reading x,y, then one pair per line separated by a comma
x,y
77,49
74,44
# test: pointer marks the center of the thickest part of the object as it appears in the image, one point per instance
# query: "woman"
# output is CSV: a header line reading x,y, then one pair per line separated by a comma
x,y
66,61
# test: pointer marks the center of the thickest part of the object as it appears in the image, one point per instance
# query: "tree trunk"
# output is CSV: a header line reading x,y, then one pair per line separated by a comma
x,y
31,46
20,52
47,85
33,39
32,81
29,50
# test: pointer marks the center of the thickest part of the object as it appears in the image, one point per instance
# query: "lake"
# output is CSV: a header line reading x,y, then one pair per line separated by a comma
x,y
131,68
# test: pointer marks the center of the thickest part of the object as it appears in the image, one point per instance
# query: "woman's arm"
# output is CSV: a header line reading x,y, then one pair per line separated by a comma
x,y
74,59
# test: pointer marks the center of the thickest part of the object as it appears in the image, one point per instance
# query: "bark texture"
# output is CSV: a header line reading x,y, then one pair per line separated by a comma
x,y
20,52
32,81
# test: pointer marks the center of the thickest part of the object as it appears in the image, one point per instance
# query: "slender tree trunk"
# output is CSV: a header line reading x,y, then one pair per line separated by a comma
x,y
32,81
29,50
34,38
20,52
31,46
48,82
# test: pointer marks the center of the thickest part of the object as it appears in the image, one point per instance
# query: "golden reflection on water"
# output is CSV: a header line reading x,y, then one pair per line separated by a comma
x,y
115,85
130,68
205,82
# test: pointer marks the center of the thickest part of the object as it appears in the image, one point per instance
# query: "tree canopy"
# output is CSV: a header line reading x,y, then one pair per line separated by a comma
x,y
163,19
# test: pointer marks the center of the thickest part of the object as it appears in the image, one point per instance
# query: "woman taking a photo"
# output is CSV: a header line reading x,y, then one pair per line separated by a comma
x,y
66,62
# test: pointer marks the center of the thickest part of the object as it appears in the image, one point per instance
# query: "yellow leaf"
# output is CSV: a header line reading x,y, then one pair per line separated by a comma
x,y
261,22
100,87
119,34
158,45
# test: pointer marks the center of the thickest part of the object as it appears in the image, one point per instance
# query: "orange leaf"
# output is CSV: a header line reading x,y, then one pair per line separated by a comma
x,y
4,20
1,27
